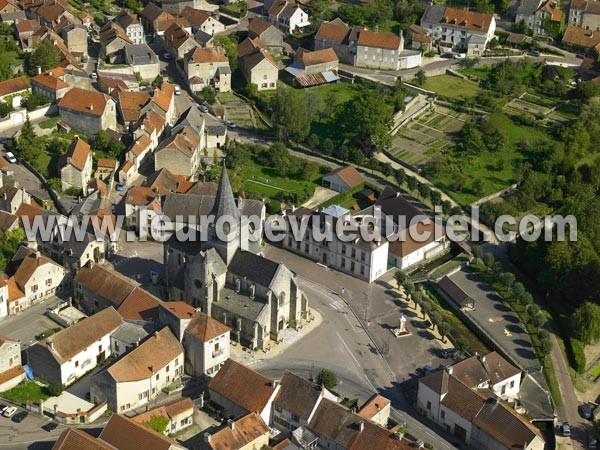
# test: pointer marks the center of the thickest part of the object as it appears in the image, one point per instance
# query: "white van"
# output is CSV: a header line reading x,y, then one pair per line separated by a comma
x,y
177,90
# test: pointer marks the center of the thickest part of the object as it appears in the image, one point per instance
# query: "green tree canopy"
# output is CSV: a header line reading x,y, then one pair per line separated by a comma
x,y
230,46
327,378
290,115
44,56
586,323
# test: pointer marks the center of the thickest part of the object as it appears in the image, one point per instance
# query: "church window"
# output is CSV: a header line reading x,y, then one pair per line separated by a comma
x,y
281,298
197,283
238,285
252,291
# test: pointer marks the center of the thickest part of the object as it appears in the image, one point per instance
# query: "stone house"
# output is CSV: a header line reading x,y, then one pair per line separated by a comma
x,y
261,69
271,36
178,41
15,88
342,179
459,30
132,26
288,16
246,433
11,370
539,17
202,21
154,17
180,153
376,50
76,165
69,354
240,390
138,376
585,14
12,197
122,433
177,316
130,106
476,417
37,276
141,204
50,84
376,409
335,35
314,68
143,61
179,414
3,295
75,37
88,111
113,39
140,152
208,67
206,343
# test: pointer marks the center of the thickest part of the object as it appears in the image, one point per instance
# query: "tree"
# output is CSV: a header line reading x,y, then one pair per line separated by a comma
x,y
400,176
518,290
544,343
525,300
400,277
533,310
411,182
45,56
436,197
426,308
444,329
209,95
478,186
36,100
9,243
327,378
28,143
327,146
424,190
436,318
290,117
538,320
488,260
230,46
420,78
586,323
478,252
509,279
366,121
55,388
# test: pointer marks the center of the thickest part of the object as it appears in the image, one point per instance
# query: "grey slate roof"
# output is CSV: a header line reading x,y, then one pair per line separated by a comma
x,y
433,14
191,118
140,54
241,305
253,267
216,130
130,333
224,202
528,7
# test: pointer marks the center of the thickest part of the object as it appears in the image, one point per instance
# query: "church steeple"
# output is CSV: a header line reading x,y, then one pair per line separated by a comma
x,y
225,206
224,202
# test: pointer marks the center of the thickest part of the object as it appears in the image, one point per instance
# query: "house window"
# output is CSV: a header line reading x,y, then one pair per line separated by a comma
x,y
443,414
429,406
512,384
157,376
122,407
34,288
116,347
167,368
76,363
49,282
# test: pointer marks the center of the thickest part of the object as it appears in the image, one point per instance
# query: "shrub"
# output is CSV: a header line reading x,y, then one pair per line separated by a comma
x,y
273,207
578,355
55,388
327,378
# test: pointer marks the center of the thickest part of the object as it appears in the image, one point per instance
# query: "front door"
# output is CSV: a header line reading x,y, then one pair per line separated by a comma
x,y
280,325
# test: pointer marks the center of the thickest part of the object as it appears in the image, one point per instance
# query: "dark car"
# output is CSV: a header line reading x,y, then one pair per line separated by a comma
x,y
565,429
448,352
586,411
20,416
50,427
3,140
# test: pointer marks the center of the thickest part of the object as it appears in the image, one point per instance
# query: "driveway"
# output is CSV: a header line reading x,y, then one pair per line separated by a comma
x,y
27,325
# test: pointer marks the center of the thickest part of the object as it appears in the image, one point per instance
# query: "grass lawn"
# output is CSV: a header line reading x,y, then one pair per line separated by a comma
x,y
266,181
25,391
50,123
333,95
594,372
484,166
450,86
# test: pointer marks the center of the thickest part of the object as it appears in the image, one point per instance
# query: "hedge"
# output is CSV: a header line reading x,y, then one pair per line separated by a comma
x,y
578,355
342,197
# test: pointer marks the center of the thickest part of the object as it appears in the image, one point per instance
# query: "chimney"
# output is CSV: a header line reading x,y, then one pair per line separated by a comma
x,y
207,437
449,369
39,70
376,29
481,358
361,426
50,344
231,424
91,107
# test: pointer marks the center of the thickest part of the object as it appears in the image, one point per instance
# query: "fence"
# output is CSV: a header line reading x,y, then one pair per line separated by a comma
x,y
18,117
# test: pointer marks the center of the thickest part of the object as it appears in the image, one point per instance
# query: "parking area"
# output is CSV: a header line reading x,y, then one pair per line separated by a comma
x,y
29,324
29,431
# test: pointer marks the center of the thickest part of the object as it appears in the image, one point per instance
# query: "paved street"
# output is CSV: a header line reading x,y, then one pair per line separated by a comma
x,y
26,435
26,325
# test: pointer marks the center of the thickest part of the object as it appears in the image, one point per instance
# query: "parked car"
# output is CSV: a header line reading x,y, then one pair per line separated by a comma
x,y
166,55
448,55
593,444
10,157
84,59
177,90
9,411
203,108
428,369
460,56
230,124
448,352
585,411
120,187
3,140
50,427
20,416
94,76
565,429
534,53
580,55
2,408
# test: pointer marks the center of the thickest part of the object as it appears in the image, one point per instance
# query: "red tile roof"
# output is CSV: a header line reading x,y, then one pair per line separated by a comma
x,y
84,101
78,153
580,37
14,85
123,433
381,40
204,328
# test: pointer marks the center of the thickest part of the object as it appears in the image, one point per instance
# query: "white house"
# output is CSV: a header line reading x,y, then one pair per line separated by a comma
x,y
69,354
37,276
206,343
287,16
138,377
179,414
11,371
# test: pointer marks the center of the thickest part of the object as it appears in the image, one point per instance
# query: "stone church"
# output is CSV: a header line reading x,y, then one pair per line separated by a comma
x,y
255,296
